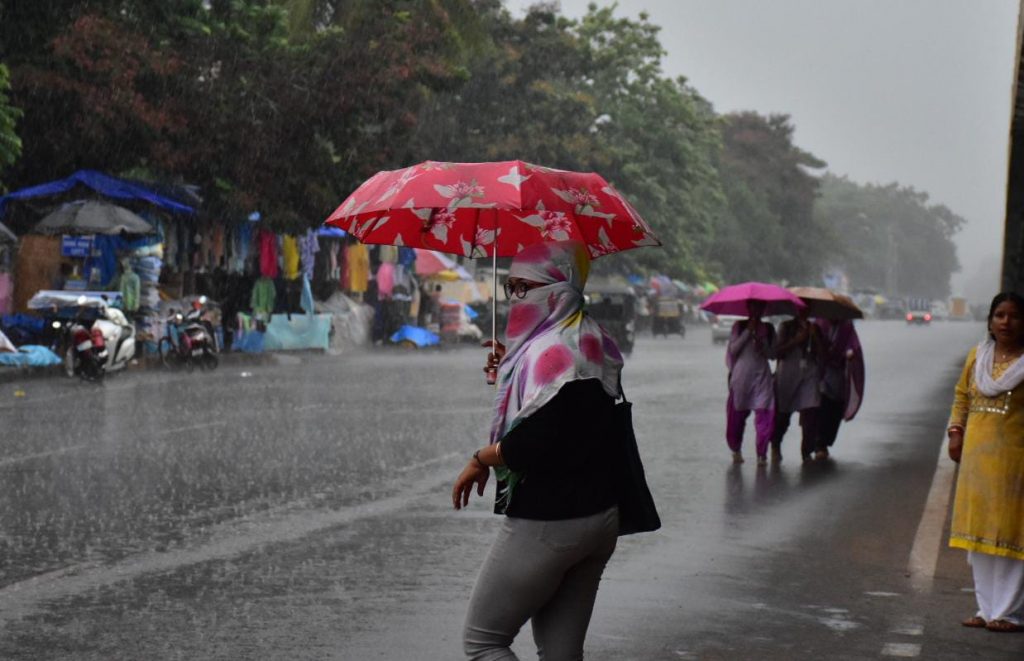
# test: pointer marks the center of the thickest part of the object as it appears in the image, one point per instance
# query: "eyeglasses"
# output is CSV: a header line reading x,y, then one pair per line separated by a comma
x,y
519,288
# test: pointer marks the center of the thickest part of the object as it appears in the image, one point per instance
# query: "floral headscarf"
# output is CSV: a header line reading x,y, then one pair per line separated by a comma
x,y
550,340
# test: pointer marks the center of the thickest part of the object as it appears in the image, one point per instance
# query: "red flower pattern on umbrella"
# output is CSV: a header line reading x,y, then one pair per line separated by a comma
x,y
475,209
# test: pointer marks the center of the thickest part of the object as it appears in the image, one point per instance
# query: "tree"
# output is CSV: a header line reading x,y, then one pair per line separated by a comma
x,y
768,230
10,143
888,238
587,95
267,111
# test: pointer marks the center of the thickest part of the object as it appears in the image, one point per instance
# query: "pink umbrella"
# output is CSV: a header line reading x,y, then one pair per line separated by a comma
x,y
430,263
734,299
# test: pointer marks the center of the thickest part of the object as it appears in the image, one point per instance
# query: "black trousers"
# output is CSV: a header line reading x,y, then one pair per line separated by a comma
x,y
830,415
808,430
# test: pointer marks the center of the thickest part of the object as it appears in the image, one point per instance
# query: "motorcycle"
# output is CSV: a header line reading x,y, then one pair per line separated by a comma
x,y
95,340
190,340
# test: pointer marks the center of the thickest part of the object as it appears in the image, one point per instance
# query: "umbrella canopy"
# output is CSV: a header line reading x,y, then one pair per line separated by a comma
x,y
482,209
734,299
663,285
430,264
827,304
92,217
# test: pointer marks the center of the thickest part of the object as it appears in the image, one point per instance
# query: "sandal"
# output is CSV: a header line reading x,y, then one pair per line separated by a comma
x,y
976,622
1004,626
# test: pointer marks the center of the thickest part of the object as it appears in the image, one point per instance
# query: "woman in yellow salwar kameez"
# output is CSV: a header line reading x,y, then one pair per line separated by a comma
x,y
986,436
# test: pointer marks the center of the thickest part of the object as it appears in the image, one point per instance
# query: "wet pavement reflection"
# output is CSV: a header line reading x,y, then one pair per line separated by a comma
x,y
302,512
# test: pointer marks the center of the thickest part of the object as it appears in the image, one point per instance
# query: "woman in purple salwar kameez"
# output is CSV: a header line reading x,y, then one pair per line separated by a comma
x,y
751,387
842,385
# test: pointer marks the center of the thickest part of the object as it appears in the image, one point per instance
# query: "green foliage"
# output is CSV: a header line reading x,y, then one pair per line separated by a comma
x,y
10,143
286,106
767,230
889,238
588,95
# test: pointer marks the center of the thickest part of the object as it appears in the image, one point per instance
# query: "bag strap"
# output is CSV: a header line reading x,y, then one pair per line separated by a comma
x,y
622,391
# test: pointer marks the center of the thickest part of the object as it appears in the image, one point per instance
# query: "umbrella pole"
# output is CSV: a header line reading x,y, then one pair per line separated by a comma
x,y
494,294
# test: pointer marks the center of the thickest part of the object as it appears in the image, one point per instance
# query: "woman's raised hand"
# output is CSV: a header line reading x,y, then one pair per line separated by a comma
x,y
495,356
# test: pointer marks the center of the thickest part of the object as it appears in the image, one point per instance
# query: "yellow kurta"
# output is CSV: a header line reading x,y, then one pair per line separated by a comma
x,y
988,513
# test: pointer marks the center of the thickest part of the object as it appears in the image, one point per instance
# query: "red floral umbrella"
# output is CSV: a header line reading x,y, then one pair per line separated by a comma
x,y
468,208
491,209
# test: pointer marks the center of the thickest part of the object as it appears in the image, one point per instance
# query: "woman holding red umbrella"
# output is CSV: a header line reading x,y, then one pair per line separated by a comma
x,y
553,450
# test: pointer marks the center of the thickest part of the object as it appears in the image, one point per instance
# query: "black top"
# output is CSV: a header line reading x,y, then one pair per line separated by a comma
x,y
564,453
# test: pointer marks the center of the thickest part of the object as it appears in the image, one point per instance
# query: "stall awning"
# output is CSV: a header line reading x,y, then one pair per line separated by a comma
x,y
104,184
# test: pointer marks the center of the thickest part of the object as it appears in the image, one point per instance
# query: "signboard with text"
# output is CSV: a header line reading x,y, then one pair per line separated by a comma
x,y
76,246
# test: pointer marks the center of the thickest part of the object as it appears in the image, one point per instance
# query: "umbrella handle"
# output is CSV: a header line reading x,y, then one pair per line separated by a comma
x,y
494,294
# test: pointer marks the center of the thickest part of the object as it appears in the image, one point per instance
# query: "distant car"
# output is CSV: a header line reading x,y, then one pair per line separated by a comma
x,y
721,327
919,311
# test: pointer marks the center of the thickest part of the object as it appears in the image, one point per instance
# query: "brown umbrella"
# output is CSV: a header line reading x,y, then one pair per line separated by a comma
x,y
827,304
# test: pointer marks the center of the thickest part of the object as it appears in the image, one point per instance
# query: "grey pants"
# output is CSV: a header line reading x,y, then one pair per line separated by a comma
x,y
544,571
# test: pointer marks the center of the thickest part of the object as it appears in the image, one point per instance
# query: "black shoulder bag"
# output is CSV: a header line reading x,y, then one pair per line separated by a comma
x,y
637,512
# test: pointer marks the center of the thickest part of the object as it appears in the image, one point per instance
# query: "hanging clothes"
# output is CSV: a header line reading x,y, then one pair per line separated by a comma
x,y
309,246
171,243
332,252
131,288
290,257
406,256
357,259
263,297
268,254
389,254
218,245
6,293
242,242
385,279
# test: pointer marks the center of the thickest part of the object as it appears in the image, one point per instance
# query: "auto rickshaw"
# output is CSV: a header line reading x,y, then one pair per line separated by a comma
x,y
614,307
667,317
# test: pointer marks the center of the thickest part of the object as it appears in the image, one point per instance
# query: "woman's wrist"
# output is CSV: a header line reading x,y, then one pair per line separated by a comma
x,y
480,462
954,429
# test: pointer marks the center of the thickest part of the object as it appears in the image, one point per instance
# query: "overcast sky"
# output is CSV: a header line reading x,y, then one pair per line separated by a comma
x,y
914,91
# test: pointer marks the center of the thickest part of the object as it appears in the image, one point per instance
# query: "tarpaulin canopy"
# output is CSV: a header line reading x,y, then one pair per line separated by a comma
x,y
103,184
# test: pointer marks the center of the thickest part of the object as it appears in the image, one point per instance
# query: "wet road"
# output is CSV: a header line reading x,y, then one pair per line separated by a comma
x,y
300,510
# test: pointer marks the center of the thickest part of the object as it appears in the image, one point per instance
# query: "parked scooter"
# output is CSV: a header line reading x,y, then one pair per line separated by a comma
x,y
190,339
97,340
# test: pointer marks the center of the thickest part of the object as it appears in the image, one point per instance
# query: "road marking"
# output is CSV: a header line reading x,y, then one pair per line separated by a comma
x,y
283,524
906,650
883,594
924,554
909,626
40,455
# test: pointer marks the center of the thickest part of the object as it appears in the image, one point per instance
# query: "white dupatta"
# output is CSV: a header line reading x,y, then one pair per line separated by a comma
x,y
983,361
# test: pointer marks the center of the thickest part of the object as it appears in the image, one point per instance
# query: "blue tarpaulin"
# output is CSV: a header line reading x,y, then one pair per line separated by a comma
x,y
421,337
29,355
103,184
298,331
